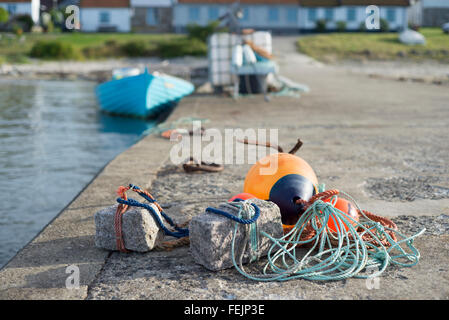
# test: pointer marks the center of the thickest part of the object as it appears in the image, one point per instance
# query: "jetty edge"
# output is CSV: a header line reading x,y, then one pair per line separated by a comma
x,y
355,129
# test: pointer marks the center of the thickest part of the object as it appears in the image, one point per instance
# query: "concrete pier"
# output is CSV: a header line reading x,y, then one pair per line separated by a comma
x,y
382,141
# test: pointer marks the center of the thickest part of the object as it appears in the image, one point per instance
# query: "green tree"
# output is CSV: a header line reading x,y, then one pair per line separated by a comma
x,y
25,21
4,15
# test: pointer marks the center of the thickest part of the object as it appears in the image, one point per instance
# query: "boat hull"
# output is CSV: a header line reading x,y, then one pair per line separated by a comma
x,y
144,95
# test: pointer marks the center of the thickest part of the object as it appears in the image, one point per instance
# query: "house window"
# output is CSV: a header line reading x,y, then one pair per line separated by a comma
x,y
329,14
213,13
12,8
311,14
194,13
292,15
105,17
351,15
151,17
245,14
391,15
273,15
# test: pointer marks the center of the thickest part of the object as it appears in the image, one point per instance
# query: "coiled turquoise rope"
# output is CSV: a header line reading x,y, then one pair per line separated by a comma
x,y
331,256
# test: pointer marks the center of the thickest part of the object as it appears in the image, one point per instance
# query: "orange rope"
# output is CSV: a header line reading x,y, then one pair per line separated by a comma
x,y
121,209
384,222
320,196
309,232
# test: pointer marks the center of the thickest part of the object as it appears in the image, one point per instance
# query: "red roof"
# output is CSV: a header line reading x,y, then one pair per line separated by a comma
x,y
309,3
241,1
335,3
104,3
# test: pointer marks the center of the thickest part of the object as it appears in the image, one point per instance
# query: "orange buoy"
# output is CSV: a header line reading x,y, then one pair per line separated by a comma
x,y
243,196
287,228
348,209
282,178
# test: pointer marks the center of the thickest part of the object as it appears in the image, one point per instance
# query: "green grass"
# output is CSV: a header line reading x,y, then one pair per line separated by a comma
x,y
375,46
89,45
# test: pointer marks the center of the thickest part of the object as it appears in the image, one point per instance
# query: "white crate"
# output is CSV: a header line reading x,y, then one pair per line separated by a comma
x,y
220,53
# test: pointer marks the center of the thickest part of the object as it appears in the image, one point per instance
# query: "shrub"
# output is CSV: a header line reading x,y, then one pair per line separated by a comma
x,y
49,27
99,52
413,26
182,47
196,31
57,16
362,26
341,26
320,25
47,22
109,49
17,58
137,48
25,21
111,43
4,15
384,25
17,30
45,18
54,50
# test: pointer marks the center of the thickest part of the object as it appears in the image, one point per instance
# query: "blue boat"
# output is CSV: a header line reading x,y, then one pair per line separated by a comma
x,y
141,95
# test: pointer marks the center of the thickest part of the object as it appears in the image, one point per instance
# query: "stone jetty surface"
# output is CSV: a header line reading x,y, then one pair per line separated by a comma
x,y
382,141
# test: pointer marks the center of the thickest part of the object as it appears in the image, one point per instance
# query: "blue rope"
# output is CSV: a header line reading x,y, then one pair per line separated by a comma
x,y
236,219
165,216
253,230
180,232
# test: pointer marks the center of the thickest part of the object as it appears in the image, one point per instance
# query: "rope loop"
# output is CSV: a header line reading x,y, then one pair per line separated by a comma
x,y
380,255
379,228
323,195
125,203
238,204
247,216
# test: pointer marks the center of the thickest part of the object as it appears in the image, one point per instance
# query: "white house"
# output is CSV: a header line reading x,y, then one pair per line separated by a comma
x,y
274,15
291,15
353,12
105,15
19,7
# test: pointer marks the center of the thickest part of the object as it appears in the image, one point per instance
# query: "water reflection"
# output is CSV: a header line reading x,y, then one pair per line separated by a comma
x,y
53,140
124,125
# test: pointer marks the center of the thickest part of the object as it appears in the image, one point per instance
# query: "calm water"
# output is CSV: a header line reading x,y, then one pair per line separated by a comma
x,y
53,141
